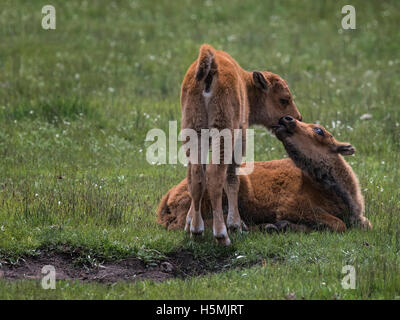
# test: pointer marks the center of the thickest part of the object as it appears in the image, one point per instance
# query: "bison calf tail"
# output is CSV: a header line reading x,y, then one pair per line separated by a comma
x,y
205,62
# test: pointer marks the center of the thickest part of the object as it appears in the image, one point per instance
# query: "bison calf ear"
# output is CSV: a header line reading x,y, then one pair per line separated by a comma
x,y
260,81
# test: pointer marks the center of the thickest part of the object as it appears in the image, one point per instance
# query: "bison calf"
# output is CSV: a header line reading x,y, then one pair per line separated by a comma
x,y
315,188
218,94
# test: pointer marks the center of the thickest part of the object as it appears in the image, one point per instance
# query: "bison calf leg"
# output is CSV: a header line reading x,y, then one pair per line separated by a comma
x,y
231,188
196,184
216,175
326,220
362,222
285,225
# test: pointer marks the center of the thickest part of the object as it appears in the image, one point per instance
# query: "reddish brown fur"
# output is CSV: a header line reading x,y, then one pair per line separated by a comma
x,y
218,93
318,194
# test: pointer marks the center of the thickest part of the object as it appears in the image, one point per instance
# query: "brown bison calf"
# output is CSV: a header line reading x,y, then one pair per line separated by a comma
x,y
218,94
314,188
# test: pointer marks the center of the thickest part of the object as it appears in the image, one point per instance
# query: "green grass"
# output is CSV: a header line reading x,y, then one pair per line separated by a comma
x,y
76,104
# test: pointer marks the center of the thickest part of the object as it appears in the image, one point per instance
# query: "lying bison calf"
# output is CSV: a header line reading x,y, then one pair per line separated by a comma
x,y
315,188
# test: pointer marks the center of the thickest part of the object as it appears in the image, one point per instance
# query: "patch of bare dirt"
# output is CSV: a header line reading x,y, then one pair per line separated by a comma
x,y
181,264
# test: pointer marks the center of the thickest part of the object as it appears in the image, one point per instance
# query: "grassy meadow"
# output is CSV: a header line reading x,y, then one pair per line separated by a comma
x,y
77,102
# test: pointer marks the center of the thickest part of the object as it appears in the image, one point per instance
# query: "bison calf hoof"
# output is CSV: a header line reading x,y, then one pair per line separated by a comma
x,y
365,224
196,235
221,235
223,241
234,227
283,225
237,227
196,228
269,228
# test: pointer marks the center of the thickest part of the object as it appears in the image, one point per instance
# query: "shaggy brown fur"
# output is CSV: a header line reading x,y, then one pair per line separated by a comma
x,y
218,93
315,188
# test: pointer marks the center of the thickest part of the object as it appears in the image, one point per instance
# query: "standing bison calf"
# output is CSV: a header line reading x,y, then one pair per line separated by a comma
x,y
315,188
218,94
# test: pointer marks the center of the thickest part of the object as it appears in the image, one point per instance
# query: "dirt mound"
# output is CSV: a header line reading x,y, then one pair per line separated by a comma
x,y
180,264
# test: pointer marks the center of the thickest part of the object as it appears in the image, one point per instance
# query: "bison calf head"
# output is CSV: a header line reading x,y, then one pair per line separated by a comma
x,y
309,140
272,100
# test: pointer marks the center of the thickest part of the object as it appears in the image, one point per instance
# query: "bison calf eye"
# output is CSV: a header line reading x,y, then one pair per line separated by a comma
x,y
319,131
284,101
